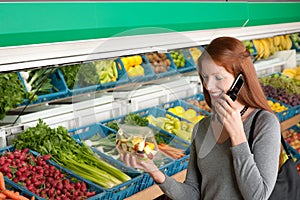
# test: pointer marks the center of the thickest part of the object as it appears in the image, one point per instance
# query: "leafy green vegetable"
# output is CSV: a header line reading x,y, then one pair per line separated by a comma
x,y
135,119
40,81
70,74
113,125
161,138
65,151
80,75
12,92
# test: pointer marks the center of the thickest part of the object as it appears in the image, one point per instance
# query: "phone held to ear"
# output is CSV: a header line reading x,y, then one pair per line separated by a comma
x,y
236,87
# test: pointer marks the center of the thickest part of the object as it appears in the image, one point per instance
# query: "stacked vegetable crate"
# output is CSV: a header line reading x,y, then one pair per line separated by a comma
x,y
98,132
284,90
109,185
46,84
170,165
11,186
36,175
183,60
92,76
136,68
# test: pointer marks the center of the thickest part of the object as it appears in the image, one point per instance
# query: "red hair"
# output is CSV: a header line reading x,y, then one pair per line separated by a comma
x,y
231,54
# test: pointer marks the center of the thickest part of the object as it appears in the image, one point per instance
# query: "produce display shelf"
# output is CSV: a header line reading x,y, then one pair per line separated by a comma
x,y
57,80
184,105
148,72
140,180
286,114
170,72
189,63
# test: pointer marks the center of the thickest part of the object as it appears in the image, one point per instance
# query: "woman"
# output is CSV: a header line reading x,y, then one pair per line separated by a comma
x,y
221,164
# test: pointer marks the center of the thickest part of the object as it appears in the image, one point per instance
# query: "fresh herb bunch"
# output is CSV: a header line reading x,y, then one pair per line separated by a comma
x,y
80,75
12,92
70,73
113,125
40,81
135,119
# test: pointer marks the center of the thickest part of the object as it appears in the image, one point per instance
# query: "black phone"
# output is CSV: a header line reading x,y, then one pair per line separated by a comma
x,y
236,87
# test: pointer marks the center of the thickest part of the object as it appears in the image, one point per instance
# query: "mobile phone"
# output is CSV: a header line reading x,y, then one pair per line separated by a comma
x,y
236,87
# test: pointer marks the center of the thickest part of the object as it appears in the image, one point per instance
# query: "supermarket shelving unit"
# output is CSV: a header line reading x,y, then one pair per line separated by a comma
x,y
30,40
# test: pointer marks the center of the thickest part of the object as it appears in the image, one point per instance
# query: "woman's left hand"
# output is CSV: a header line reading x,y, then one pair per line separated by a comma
x,y
231,118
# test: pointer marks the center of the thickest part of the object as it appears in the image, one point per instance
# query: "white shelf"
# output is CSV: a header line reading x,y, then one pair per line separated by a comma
x,y
276,63
39,55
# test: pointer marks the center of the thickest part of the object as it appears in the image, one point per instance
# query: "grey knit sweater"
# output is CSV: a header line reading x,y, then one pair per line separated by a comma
x,y
220,172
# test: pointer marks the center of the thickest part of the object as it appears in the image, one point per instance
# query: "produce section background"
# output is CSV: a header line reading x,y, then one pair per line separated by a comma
x,y
31,26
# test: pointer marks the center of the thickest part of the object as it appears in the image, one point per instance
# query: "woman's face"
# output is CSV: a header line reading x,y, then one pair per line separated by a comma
x,y
216,79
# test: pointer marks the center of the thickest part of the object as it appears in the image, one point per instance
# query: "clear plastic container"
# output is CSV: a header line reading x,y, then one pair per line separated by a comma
x,y
136,140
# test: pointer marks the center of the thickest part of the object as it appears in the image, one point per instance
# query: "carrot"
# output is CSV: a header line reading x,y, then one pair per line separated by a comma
x,y
32,198
2,183
13,196
171,151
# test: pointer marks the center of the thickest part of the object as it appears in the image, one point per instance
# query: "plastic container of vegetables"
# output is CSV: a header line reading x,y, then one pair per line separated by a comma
x,y
12,191
140,72
36,175
282,110
97,134
158,63
136,140
183,60
46,88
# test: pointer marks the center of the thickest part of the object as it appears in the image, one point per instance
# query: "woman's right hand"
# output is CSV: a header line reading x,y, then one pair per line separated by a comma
x,y
131,160
145,165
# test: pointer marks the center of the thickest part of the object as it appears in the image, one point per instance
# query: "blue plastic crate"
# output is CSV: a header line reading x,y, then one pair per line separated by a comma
x,y
57,81
190,57
188,65
174,141
296,109
121,80
85,132
294,44
289,138
68,173
169,166
79,89
185,105
125,189
158,112
148,72
171,71
10,185
294,152
122,190
254,53
286,114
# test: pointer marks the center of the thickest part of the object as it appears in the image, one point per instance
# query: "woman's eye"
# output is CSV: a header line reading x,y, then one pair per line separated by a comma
x,y
219,78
